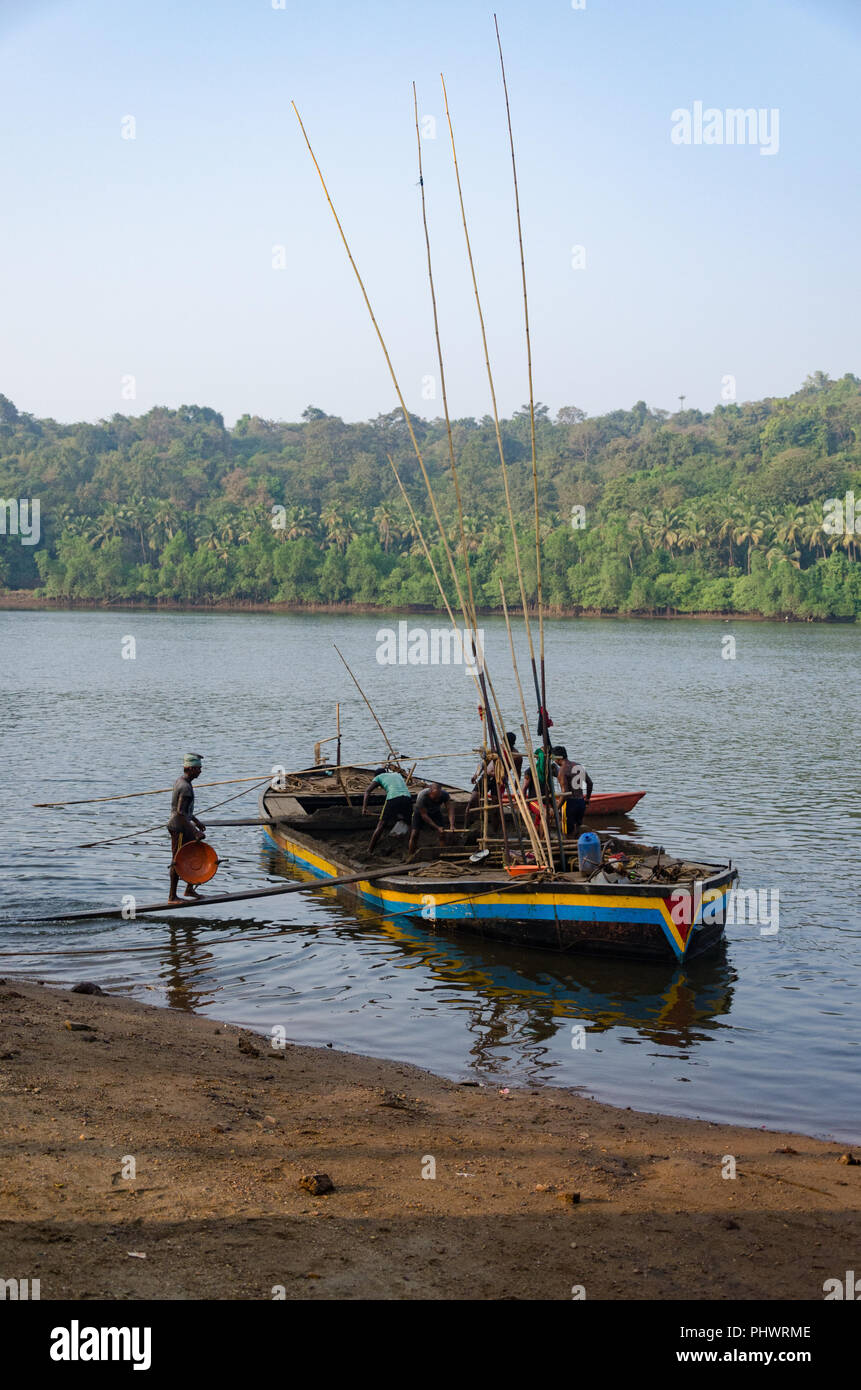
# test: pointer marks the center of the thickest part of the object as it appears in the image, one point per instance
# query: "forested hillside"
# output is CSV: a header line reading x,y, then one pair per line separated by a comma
x,y
642,511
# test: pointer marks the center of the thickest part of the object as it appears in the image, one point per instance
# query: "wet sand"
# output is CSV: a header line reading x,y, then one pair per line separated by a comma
x,y
535,1192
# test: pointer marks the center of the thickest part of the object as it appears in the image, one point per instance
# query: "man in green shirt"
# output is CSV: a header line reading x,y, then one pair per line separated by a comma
x,y
398,803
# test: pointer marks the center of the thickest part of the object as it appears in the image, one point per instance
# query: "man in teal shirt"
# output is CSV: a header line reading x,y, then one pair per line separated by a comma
x,y
398,804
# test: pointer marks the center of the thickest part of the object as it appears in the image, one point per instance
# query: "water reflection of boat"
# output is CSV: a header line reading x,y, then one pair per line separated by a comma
x,y
536,993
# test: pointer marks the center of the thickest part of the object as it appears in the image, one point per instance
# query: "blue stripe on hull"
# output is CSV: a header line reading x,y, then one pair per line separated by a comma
x,y
516,912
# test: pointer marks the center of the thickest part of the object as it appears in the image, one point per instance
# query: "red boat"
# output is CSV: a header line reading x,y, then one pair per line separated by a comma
x,y
612,803
600,804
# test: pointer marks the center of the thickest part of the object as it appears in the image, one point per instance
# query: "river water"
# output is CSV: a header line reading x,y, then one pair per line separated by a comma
x,y
752,757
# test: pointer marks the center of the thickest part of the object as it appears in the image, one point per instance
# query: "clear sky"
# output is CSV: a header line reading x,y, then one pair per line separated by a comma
x,y
152,257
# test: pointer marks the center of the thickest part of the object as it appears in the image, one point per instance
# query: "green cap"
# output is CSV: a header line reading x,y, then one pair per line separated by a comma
x,y
192,760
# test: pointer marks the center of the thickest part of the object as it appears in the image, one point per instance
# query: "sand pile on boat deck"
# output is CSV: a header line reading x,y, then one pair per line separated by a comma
x,y
222,1129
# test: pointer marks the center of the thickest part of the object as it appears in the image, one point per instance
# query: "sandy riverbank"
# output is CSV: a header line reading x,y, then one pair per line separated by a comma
x,y
222,1127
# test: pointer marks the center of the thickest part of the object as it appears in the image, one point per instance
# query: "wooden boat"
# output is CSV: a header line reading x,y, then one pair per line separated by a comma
x,y
612,803
657,907
600,804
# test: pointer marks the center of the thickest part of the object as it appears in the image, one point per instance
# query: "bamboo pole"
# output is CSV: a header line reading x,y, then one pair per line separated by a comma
x,y
491,740
485,806
393,375
342,784
473,617
367,702
127,796
525,725
232,781
498,746
405,411
490,380
366,876
538,689
406,414
492,737
528,356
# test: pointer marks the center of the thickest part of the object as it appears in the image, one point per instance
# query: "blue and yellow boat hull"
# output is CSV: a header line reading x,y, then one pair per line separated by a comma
x,y
635,920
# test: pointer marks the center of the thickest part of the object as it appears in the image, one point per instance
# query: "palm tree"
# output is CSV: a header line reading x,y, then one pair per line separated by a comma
x,y
495,539
814,527
111,523
299,523
692,533
342,533
402,525
211,539
163,515
639,529
246,524
474,532
726,533
781,554
846,541
331,520
138,513
749,531
386,525
770,518
76,525
790,525
637,536
668,528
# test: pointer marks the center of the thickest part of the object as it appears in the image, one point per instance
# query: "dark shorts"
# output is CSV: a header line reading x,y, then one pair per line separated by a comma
x,y
397,808
177,838
435,813
575,809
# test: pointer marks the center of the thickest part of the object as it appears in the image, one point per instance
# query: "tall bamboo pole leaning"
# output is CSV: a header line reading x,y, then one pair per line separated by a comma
x,y
529,752
480,688
503,466
540,593
392,374
395,381
490,380
396,384
392,752
542,698
339,769
489,732
498,747
452,463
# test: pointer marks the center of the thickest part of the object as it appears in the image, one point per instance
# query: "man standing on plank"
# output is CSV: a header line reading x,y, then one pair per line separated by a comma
x,y
183,824
398,805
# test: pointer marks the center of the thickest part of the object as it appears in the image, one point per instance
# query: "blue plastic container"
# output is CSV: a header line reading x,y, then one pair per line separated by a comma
x,y
589,852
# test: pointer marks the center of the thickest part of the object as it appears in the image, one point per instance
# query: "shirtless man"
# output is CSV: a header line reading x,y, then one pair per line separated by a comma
x,y
576,785
183,824
484,779
428,811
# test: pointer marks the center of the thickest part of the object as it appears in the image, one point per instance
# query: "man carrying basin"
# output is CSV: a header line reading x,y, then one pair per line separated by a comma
x,y
183,824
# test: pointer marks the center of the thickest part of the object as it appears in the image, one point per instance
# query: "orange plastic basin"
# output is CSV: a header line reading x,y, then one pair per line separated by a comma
x,y
520,870
196,862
